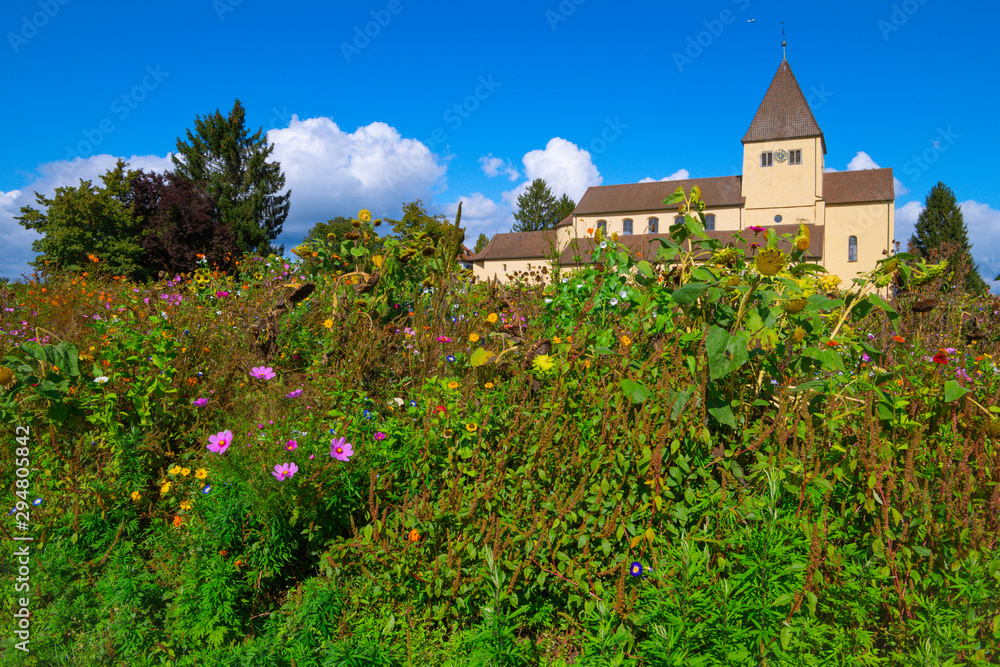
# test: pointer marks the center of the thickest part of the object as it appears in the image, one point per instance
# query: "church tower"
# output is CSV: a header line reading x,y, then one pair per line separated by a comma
x,y
783,155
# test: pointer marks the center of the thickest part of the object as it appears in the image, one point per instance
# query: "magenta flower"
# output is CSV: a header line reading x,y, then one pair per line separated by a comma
x,y
291,444
199,402
380,436
294,394
755,229
443,339
283,471
341,450
262,372
219,442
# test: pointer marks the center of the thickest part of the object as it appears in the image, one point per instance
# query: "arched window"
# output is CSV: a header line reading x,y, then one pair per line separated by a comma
x,y
653,225
710,222
603,225
626,226
679,220
852,248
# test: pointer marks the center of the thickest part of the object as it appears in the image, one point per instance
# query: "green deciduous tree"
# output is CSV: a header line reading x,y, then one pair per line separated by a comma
x,y
417,220
339,227
88,220
941,223
232,166
536,208
564,207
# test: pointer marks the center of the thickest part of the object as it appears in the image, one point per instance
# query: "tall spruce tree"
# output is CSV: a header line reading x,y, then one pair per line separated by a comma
x,y
481,243
941,222
536,208
564,207
232,166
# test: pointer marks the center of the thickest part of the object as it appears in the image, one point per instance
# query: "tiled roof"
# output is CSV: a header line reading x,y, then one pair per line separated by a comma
x,y
849,187
517,245
784,112
718,191
641,246
565,222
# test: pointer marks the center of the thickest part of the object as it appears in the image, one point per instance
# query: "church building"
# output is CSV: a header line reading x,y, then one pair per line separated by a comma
x,y
783,184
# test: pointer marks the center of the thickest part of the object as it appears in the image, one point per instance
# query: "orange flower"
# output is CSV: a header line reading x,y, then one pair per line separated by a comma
x,y
238,562
899,339
832,343
178,521
223,553
413,536
590,230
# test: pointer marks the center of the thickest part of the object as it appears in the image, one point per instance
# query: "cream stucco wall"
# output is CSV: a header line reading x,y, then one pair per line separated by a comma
x,y
725,218
489,269
872,224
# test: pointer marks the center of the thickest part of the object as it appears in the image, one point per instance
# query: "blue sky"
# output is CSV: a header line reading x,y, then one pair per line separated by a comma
x,y
384,101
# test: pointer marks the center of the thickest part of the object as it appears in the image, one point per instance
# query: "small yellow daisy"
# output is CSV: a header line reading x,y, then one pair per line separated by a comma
x,y
185,472
488,385
165,488
185,505
201,473
492,318
452,385
174,470
136,495
473,337
471,428
328,323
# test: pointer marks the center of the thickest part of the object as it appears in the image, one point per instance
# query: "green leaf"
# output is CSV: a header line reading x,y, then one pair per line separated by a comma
x,y
724,415
675,197
680,399
635,391
818,385
689,293
953,391
481,357
645,268
726,353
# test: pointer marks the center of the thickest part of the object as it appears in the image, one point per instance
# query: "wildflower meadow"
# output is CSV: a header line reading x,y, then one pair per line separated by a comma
x,y
365,457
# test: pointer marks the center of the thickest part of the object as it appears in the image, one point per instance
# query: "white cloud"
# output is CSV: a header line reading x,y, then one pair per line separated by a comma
x,y
983,223
332,172
494,166
480,215
15,240
906,221
679,175
566,168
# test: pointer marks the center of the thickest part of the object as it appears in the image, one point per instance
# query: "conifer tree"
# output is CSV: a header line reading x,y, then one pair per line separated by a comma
x,y
481,243
232,166
941,222
536,208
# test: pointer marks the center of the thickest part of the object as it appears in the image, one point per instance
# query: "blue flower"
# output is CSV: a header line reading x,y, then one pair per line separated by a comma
x,y
36,502
636,569
450,359
208,487
367,414
413,404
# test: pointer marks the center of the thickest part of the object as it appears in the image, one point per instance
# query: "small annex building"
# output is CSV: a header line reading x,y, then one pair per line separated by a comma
x,y
784,183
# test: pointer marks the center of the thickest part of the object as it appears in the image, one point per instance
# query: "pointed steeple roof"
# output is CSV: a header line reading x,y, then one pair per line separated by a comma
x,y
784,112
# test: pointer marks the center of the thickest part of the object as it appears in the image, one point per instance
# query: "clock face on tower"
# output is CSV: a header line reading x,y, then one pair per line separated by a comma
x,y
780,155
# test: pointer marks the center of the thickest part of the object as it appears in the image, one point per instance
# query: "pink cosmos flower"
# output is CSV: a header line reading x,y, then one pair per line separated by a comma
x,y
380,436
341,450
294,394
220,442
199,402
284,470
291,444
443,339
262,372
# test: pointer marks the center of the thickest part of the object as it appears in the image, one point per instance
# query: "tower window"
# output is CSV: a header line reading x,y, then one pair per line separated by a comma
x,y
852,248
766,159
710,222
602,225
504,267
654,225
626,226
777,218
795,157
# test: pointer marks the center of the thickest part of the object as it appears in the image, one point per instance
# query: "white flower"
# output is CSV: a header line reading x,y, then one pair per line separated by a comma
x,y
548,301
565,280
613,302
623,294
101,380
604,244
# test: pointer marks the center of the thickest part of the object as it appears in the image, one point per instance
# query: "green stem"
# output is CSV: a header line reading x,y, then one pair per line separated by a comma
x,y
745,301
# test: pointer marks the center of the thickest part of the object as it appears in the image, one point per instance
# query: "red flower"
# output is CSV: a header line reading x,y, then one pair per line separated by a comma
x,y
941,358
439,408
